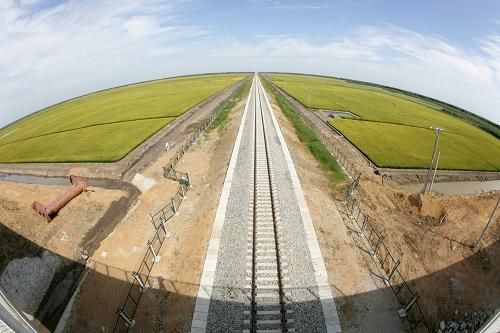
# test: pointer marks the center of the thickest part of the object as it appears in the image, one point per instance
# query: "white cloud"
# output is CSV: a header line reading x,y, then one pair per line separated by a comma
x,y
390,55
77,47
295,5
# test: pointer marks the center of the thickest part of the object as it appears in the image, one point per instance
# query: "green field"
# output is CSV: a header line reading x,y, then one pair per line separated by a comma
x,y
105,126
393,129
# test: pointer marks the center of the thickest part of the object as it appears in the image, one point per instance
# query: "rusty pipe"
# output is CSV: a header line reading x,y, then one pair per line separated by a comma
x,y
79,185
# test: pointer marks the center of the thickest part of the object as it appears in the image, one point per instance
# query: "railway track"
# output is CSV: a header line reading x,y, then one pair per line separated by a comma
x,y
266,273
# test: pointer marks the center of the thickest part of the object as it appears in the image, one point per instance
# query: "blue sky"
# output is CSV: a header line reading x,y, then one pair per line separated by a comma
x,y
55,50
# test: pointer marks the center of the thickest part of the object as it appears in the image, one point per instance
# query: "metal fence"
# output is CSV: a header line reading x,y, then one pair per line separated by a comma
x,y
159,220
407,298
169,169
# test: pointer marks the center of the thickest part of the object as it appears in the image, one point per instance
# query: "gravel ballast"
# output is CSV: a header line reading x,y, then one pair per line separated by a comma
x,y
229,298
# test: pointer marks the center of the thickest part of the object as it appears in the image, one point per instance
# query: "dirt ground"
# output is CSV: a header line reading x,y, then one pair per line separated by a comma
x,y
435,254
168,303
432,235
77,228
21,225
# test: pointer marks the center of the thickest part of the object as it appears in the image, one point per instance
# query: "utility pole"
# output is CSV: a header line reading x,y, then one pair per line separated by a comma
x,y
437,131
487,225
435,170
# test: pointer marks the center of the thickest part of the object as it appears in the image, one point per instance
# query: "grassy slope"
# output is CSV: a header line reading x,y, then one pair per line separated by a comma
x,y
463,146
307,136
74,130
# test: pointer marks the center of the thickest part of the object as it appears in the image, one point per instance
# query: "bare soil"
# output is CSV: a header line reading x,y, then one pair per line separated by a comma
x,y
432,236
168,303
76,228
24,232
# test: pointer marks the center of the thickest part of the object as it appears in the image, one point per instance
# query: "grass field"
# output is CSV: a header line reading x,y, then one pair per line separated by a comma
x,y
105,126
394,129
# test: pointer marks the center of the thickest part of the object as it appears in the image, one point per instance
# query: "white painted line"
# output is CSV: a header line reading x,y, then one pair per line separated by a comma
x,y
332,321
208,275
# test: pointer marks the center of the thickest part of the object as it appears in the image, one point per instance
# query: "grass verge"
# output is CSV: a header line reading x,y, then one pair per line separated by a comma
x,y
307,136
222,118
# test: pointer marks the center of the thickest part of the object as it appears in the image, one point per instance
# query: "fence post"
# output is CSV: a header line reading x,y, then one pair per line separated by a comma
x,y
173,205
129,322
347,201
487,225
151,248
139,280
404,311
164,227
380,239
387,280
352,206
365,220
350,210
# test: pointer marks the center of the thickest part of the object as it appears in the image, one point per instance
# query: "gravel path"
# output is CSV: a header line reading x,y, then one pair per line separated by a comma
x,y
230,299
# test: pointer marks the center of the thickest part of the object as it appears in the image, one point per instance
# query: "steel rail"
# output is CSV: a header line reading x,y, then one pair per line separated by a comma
x,y
263,177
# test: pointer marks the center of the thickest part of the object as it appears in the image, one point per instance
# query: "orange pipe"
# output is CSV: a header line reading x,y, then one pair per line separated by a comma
x,y
79,185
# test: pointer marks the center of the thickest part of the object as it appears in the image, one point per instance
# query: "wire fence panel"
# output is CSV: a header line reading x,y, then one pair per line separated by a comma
x,y
159,220
406,297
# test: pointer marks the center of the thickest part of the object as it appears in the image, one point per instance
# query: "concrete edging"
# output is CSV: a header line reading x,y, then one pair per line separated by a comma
x,y
200,315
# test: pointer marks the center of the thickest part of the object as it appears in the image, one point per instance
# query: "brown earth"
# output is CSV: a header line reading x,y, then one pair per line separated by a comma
x,y
78,227
432,236
434,252
168,302
24,232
